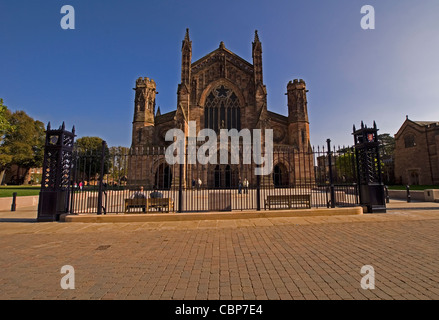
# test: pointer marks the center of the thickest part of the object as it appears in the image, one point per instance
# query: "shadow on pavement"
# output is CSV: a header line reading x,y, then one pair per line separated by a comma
x,y
414,208
17,220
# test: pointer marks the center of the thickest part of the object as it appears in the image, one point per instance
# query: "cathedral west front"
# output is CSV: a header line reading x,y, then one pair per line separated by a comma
x,y
220,91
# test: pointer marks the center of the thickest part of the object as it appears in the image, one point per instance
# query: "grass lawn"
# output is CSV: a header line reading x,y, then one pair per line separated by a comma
x,y
7,191
413,187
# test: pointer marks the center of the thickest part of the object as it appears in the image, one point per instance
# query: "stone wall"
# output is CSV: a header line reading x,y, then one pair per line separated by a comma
x,y
417,163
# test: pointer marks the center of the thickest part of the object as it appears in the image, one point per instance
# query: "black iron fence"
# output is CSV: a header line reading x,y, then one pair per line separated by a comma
x,y
121,180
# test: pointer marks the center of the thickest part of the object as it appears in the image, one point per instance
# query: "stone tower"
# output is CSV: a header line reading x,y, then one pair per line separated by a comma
x,y
298,123
144,110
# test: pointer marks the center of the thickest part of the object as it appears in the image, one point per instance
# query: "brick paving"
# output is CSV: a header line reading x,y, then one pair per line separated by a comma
x,y
267,258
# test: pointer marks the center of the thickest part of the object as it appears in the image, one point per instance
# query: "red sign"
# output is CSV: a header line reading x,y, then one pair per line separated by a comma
x,y
370,137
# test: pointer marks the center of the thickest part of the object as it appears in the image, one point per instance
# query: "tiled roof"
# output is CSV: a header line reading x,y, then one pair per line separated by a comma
x,y
425,123
277,116
167,117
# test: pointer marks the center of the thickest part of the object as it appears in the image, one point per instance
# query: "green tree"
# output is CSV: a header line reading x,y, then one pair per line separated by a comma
x,y
23,142
387,147
118,164
5,125
89,144
387,150
345,166
89,150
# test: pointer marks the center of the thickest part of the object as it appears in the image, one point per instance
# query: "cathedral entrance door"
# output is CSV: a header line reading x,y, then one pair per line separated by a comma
x,y
163,177
225,177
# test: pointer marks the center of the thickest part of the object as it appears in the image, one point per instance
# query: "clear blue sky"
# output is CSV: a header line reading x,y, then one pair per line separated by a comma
x,y
85,76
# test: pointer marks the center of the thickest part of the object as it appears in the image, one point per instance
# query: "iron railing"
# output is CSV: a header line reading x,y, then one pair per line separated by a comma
x,y
103,179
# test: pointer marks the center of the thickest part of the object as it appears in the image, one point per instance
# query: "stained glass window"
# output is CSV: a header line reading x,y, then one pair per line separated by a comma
x,y
222,110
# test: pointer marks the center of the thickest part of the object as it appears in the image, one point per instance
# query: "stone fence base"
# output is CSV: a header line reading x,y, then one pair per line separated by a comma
x,y
29,201
429,195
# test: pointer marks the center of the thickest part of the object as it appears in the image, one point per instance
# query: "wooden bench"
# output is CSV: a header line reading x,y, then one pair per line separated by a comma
x,y
148,205
161,204
290,201
135,203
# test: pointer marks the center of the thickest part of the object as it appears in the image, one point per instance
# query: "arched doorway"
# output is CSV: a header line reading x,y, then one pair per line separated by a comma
x,y
414,177
228,177
280,176
217,177
225,176
163,177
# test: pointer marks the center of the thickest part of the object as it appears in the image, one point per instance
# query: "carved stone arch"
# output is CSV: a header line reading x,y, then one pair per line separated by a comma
x,y
282,158
226,83
279,133
162,174
281,174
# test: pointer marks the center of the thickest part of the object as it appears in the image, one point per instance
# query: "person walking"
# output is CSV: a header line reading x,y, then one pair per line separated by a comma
x,y
246,186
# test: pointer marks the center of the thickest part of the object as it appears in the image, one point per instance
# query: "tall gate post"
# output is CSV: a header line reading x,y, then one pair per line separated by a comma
x,y
258,193
180,189
180,182
331,176
370,184
57,165
101,177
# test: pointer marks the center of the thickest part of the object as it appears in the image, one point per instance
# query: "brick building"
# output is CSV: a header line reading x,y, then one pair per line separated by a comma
x,y
417,153
16,175
221,91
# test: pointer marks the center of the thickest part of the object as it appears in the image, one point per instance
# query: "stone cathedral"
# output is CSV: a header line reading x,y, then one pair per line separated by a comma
x,y
221,91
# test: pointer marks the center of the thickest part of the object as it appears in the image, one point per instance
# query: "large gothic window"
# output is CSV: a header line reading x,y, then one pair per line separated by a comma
x,y
222,110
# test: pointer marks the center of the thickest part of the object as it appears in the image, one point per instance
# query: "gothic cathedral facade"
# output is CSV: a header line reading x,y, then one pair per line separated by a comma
x,y
221,91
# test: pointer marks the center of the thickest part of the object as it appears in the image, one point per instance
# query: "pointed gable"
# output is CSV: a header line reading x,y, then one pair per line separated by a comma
x,y
219,55
408,124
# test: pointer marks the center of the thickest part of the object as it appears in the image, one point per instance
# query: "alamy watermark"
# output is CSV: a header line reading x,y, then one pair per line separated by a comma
x,y
68,21
207,153
368,20
68,281
368,281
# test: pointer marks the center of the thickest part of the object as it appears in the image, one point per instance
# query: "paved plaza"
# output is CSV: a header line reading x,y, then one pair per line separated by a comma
x,y
265,258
